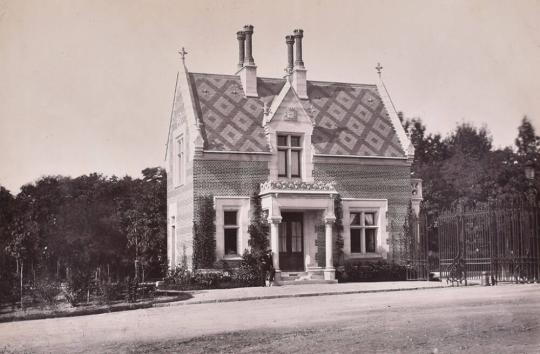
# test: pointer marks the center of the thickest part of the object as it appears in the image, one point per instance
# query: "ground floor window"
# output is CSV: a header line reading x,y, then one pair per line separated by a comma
x,y
231,232
363,229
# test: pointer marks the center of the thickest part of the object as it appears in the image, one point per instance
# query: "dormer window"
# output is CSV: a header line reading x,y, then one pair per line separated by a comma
x,y
289,156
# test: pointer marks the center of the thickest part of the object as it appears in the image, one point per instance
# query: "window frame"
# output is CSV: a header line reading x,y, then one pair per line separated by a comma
x,y
289,149
363,227
179,160
226,226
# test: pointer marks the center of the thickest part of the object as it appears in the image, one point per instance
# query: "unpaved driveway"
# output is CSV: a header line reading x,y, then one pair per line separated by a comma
x,y
502,319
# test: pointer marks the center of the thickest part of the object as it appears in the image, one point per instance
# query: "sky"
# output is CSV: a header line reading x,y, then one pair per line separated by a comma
x,y
87,86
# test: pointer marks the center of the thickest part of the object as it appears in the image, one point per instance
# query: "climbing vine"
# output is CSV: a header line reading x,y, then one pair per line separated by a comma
x,y
204,234
339,242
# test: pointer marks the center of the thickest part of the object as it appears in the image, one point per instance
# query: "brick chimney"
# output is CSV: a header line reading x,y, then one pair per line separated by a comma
x,y
248,70
299,77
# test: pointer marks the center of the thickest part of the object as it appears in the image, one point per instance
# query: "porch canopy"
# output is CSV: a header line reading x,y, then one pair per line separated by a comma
x,y
278,196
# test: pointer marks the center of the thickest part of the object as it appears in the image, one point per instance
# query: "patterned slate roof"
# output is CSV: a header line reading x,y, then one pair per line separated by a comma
x,y
350,119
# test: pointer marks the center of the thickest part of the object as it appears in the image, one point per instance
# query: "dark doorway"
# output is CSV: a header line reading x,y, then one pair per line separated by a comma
x,y
291,242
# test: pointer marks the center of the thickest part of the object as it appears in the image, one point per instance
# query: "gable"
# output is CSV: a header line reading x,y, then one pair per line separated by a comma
x,y
288,108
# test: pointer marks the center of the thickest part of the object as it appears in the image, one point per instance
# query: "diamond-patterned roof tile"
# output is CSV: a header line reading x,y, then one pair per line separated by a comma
x,y
350,119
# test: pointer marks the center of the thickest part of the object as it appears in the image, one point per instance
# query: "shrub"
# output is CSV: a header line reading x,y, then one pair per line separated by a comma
x,y
107,292
45,292
9,289
77,287
249,273
360,271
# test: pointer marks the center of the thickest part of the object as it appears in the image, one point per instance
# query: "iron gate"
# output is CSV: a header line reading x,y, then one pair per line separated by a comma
x,y
415,247
499,242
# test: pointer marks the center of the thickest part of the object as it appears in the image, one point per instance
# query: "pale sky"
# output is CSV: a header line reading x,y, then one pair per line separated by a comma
x,y
86,86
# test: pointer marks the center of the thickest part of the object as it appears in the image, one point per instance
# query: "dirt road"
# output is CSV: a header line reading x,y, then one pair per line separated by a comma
x,y
501,319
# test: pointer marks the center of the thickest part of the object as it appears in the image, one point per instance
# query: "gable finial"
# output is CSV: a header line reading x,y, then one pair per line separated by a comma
x,y
379,69
183,53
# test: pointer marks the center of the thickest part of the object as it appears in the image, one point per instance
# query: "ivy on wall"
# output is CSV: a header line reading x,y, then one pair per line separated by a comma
x,y
339,242
204,234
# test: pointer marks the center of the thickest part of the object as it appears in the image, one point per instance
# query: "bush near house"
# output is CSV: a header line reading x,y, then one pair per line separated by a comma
x,y
182,278
364,271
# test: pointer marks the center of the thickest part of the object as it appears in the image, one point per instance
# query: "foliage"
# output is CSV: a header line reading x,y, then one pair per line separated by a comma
x,y
182,278
252,270
256,262
338,212
364,271
463,168
145,221
46,291
77,287
107,292
59,225
204,235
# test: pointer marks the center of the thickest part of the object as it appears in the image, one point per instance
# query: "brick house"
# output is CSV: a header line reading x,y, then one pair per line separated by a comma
x,y
298,143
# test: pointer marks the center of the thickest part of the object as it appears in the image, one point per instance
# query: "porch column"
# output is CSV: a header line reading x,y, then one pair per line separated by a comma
x,y
274,244
329,271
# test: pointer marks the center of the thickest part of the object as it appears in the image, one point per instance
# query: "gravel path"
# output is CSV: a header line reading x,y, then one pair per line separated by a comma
x,y
502,319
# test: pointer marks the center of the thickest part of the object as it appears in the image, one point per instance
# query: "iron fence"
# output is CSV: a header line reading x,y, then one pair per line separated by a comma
x,y
493,244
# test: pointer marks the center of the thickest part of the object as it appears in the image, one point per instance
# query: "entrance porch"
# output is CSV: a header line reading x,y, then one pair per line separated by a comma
x,y
301,217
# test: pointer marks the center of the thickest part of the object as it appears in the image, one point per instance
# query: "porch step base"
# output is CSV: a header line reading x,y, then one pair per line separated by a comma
x,y
305,281
297,278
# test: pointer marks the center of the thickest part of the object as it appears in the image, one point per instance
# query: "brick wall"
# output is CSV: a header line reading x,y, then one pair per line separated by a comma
x,y
390,182
225,178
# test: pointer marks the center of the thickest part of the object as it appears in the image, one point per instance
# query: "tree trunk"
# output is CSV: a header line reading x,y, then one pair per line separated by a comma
x,y
22,268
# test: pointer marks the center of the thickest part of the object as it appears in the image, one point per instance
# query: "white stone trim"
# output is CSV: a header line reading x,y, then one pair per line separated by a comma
x,y
240,204
394,119
363,156
238,152
302,126
380,206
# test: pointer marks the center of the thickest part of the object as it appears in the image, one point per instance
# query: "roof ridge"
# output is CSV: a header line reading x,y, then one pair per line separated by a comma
x,y
283,79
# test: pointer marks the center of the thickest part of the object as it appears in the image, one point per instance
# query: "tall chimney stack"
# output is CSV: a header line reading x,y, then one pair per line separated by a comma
x,y
289,40
248,69
299,77
241,48
298,35
248,31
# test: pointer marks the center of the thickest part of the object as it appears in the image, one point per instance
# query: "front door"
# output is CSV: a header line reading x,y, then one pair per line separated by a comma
x,y
291,242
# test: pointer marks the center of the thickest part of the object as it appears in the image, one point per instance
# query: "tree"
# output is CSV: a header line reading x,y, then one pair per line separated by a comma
x,y
527,142
146,222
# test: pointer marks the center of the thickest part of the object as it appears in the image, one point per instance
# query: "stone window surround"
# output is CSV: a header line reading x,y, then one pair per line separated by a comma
x,y
241,205
380,207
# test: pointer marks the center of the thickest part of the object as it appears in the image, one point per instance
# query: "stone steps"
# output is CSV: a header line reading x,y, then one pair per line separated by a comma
x,y
297,278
